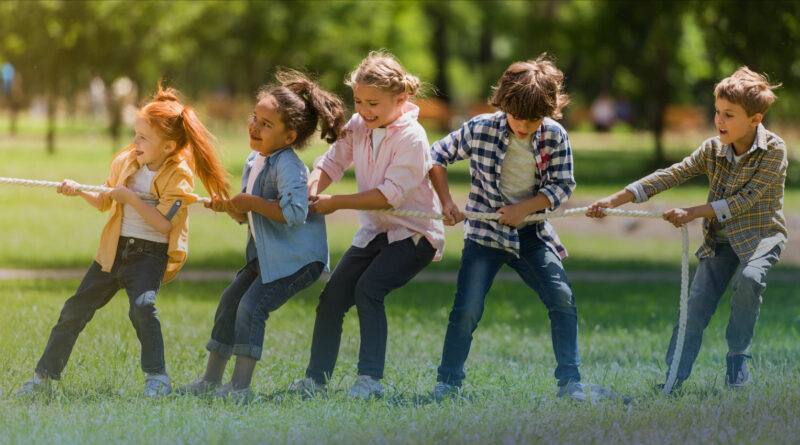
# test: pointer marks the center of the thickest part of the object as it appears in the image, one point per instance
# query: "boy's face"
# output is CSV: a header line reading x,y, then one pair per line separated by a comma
x,y
523,128
733,124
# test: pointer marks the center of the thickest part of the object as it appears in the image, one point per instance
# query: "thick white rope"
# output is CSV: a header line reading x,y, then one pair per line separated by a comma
x,y
81,187
673,370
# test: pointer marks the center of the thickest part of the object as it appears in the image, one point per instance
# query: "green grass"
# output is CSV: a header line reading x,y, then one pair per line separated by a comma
x,y
509,392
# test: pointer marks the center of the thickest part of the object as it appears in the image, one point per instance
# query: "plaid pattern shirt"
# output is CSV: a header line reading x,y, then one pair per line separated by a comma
x,y
747,196
484,140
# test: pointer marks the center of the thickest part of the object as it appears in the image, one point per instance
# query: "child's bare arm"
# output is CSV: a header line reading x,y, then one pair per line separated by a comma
x,y
245,202
450,210
623,196
68,187
681,216
318,181
514,214
149,213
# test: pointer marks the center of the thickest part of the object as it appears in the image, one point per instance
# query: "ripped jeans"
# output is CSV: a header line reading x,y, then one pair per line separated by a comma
x,y
139,267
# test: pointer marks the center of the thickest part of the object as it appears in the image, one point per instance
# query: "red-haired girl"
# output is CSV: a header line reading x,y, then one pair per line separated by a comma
x,y
144,242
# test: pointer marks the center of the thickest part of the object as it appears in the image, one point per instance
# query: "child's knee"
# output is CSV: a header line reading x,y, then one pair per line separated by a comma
x,y
144,306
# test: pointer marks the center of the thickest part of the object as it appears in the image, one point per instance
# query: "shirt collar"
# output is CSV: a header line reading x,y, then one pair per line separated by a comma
x,y
760,141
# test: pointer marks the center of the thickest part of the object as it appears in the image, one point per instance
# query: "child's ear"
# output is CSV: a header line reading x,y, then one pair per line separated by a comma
x,y
756,119
169,146
401,98
291,136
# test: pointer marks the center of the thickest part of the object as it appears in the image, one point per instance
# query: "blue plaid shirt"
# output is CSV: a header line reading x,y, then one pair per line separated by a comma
x,y
484,140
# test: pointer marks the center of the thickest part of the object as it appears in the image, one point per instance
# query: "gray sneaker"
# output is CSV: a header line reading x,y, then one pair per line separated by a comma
x,y
737,376
198,388
572,391
365,387
32,386
238,396
443,390
156,385
307,387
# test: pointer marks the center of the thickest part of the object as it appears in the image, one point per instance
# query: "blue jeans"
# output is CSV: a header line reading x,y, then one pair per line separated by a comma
x,y
540,268
709,283
363,277
245,306
139,266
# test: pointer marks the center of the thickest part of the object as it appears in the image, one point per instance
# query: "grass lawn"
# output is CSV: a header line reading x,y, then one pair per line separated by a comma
x,y
508,396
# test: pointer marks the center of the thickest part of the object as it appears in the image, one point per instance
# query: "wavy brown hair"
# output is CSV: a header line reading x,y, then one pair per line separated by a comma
x,y
304,106
531,90
749,89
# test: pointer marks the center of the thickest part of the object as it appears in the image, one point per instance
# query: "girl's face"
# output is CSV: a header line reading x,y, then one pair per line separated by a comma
x,y
734,125
151,149
523,128
378,107
267,131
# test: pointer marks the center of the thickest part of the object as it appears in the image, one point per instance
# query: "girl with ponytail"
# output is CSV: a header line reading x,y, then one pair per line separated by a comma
x,y
389,151
287,248
144,242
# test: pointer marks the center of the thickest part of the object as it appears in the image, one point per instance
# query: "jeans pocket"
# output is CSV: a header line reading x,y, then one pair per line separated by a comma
x,y
309,275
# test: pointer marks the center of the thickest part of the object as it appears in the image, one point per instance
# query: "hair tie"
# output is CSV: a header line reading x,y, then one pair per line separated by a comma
x,y
304,96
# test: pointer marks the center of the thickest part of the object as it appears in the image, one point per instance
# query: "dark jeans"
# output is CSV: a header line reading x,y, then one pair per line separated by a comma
x,y
364,276
138,267
710,281
245,305
540,268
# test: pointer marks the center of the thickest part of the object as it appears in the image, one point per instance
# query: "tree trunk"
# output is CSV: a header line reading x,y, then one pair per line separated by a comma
x,y
439,49
50,139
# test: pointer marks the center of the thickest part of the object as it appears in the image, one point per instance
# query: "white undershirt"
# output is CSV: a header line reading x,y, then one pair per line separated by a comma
x,y
133,225
378,135
258,165
518,175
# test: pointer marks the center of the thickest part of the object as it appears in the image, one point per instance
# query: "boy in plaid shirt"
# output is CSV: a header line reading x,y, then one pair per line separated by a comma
x,y
520,163
744,230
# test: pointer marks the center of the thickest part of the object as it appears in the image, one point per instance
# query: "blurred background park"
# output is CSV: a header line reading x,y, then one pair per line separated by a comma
x,y
640,75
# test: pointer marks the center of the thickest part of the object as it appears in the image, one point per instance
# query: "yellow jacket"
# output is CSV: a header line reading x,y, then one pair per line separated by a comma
x,y
174,181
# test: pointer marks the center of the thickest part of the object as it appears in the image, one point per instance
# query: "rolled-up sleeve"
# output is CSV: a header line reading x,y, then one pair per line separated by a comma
x,y
407,170
293,190
454,147
177,196
558,188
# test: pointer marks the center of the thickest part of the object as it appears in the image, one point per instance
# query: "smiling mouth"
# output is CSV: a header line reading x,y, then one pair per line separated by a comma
x,y
139,152
255,138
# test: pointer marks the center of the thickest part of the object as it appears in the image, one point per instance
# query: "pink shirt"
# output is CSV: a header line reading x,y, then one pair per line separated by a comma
x,y
400,173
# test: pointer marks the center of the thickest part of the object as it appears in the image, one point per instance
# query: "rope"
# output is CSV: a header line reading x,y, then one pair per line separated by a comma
x,y
81,187
682,309
676,359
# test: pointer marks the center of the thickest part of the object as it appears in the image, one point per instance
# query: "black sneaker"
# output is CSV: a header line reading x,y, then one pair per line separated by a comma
x,y
737,376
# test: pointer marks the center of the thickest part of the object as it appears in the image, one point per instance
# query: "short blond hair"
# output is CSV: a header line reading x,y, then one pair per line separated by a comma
x,y
381,70
531,90
749,89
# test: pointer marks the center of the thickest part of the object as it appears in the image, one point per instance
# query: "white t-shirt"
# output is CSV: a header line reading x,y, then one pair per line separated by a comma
x,y
133,225
518,177
378,135
258,165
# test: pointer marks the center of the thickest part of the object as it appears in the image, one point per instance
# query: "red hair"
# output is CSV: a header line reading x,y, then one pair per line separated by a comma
x,y
174,122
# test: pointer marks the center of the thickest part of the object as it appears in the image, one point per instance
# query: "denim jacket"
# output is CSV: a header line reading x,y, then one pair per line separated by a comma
x,y
282,249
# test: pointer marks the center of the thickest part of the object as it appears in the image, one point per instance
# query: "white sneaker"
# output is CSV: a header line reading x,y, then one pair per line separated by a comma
x,y
156,385
33,386
572,391
307,387
365,387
